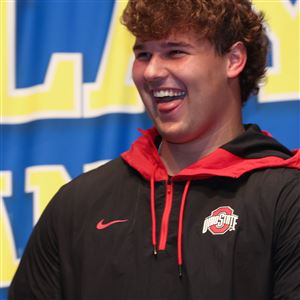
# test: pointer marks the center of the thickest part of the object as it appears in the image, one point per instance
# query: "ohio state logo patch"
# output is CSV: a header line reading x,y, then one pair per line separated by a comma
x,y
220,221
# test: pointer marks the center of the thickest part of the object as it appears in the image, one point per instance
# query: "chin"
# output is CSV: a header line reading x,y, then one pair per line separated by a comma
x,y
173,135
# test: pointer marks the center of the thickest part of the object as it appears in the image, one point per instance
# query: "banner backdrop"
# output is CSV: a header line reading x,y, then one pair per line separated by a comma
x,y
68,103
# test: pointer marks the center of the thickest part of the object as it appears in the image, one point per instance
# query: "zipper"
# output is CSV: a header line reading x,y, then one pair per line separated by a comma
x,y
166,215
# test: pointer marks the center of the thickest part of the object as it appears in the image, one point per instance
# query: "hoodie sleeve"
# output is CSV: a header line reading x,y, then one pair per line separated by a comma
x,y
286,246
38,275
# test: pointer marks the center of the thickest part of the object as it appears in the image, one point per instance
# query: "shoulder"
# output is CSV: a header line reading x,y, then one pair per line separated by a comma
x,y
286,183
274,180
283,181
272,190
112,169
95,186
279,190
112,173
103,188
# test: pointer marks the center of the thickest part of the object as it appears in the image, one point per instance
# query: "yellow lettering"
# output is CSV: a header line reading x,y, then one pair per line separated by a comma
x,y
43,182
58,96
114,90
283,80
8,257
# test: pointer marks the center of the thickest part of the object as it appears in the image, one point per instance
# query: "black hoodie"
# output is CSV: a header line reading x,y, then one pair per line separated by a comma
x,y
226,227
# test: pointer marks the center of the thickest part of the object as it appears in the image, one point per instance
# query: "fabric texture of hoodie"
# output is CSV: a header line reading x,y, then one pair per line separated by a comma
x,y
226,227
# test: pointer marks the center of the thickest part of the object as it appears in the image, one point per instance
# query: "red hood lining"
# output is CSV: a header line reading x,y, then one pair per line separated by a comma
x,y
143,156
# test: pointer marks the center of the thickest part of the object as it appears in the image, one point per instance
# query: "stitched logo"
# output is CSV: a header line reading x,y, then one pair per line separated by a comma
x,y
101,225
220,221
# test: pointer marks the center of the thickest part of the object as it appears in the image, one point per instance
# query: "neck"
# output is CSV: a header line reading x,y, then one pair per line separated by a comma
x,y
177,157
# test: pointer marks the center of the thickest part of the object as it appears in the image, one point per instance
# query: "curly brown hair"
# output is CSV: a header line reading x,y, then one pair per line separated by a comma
x,y
222,22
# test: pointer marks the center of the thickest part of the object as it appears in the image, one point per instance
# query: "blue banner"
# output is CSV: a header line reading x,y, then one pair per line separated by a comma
x,y
68,103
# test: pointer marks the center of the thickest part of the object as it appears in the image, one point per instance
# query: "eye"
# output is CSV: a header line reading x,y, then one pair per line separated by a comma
x,y
176,53
143,56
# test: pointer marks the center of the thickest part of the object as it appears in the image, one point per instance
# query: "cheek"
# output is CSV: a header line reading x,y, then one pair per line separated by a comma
x,y
137,73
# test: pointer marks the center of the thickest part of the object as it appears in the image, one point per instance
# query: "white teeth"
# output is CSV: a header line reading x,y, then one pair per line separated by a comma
x,y
168,93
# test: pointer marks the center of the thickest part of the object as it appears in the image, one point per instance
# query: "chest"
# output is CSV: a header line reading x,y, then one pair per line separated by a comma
x,y
226,238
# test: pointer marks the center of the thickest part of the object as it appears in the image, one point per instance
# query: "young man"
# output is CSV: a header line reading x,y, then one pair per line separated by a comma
x,y
201,207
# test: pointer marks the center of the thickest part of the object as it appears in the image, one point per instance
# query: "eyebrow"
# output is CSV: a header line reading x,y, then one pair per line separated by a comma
x,y
138,47
176,44
164,45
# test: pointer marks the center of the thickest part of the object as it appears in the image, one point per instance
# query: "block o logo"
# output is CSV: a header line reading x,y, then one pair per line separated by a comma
x,y
220,221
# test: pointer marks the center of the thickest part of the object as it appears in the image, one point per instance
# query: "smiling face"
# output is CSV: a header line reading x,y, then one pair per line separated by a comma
x,y
185,86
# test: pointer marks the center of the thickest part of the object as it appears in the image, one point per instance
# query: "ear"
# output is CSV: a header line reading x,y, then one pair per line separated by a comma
x,y
237,58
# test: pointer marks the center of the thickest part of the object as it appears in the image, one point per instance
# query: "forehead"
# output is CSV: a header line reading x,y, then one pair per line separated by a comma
x,y
185,39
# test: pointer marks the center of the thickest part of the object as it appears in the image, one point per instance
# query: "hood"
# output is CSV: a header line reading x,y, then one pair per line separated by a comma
x,y
254,149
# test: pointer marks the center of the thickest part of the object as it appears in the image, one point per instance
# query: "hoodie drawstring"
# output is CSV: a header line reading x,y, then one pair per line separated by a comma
x,y
180,223
153,215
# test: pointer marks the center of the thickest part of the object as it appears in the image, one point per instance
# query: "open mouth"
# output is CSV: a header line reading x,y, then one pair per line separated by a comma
x,y
163,96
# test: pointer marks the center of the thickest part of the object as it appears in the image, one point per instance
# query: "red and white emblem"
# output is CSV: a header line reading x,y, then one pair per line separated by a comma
x,y
220,221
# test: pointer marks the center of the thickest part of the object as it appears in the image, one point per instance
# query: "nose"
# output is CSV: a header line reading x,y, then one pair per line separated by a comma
x,y
155,69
